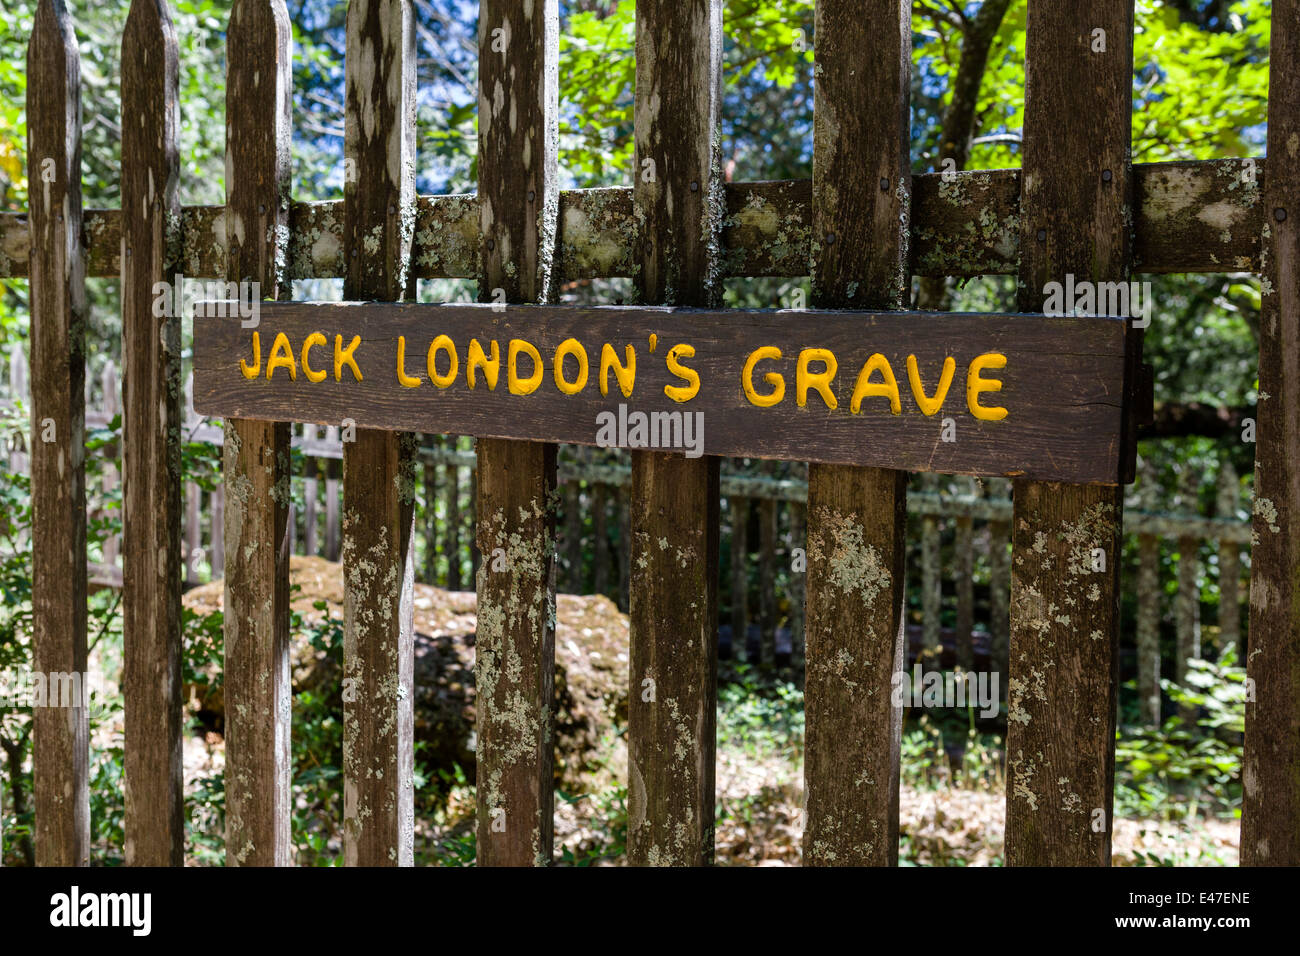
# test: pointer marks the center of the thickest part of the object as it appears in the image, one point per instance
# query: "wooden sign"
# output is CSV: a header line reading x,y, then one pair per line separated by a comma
x,y
1017,395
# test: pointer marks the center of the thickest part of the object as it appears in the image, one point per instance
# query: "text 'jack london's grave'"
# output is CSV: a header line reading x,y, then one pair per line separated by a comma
x,y
1041,397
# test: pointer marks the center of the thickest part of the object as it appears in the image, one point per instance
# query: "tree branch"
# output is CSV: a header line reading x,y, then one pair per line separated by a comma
x,y
1185,419
959,126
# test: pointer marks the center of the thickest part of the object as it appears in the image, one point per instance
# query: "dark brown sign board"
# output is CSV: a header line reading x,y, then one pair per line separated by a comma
x,y
1047,398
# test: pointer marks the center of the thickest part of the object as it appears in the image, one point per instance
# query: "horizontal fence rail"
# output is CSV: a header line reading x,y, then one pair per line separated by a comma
x,y
964,228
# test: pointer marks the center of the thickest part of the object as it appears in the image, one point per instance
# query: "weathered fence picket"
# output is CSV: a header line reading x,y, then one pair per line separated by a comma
x,y
857,542
378,467
110,479
1148,613
1075,219
1270,810
1187,603
931,592
516,483
674,506
964,574
1226,495
1000,579
452,513
151,427
58,539
255,463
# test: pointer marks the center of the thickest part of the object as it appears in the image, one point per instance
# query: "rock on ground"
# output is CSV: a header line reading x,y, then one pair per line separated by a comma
x,y
591,671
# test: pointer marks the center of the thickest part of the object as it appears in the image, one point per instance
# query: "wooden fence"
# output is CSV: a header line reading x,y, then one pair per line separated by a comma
x,y
860,228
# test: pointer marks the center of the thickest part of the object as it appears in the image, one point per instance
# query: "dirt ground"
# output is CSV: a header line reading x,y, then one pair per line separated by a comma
x,y
942,827
760,796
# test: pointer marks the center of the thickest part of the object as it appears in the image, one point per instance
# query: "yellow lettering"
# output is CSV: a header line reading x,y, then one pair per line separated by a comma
x,y
312,341
867,389
256,368
570,347
406,381
930,406
491,367
517,385
975,385
442,343
682,393
821,381
772,378
282,357
626,374
346,356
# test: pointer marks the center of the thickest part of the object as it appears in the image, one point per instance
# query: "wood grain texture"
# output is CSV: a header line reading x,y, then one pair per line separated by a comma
x,y
596,233
946,240
518,195
1148,629
515,666
964,547
855,573
1270,815
60,762
1187,600
152,418
766,229
1229,491
256,454
931,587
999,593
1195,217
1063,385
767,545
515,652
1188,216
451,508
678,198
379,468
1075,216
739,515
857,519
673,698
861,201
